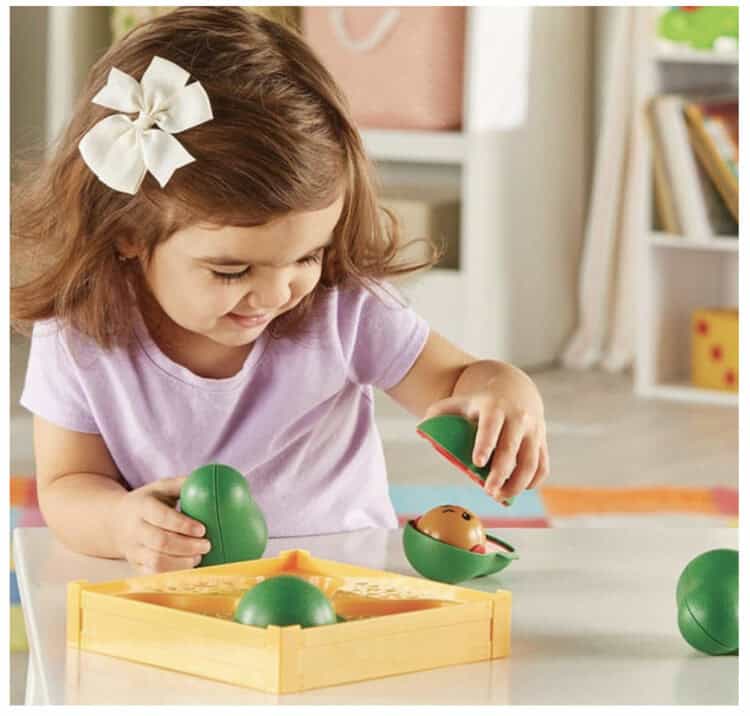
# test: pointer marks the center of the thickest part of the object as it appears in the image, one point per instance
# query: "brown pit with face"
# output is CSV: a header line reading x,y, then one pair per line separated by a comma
x,y
454,525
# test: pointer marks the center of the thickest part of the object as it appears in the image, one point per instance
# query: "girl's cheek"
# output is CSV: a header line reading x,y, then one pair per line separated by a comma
x,y
229,300
311,282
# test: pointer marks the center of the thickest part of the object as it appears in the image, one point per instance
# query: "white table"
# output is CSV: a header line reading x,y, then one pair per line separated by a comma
x,y
594,622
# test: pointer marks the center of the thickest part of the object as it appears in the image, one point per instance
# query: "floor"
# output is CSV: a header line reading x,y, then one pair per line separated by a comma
x,y
599,433
18,663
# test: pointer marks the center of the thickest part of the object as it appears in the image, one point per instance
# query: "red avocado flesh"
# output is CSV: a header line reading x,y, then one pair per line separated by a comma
x,y
452,459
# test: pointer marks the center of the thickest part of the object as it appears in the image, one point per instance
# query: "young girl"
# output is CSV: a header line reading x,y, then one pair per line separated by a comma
x,y
208,285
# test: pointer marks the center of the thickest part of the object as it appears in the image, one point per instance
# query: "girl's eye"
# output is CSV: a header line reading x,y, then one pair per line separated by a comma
x,y
231,276
312,258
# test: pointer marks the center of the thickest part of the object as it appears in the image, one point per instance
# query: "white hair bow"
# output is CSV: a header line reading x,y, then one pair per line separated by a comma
x,y
120,150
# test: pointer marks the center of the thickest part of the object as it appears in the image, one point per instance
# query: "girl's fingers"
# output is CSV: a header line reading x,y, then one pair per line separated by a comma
x,y
526,467
150,562
455,405
488,432
160,515
171,543
504,460
542,470
169,486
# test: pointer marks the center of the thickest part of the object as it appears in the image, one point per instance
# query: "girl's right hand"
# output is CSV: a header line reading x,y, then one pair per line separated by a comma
x,y
152,535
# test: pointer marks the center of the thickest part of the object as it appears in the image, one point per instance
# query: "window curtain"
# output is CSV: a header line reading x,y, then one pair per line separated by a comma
x,y
607,284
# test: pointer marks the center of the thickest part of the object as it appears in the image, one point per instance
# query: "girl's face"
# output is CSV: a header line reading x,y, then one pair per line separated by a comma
x,y
228,283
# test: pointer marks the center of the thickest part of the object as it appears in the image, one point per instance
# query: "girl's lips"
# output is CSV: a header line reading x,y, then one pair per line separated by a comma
x,y
249,321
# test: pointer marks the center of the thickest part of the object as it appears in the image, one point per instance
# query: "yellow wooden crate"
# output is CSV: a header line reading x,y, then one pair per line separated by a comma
x,y
130,619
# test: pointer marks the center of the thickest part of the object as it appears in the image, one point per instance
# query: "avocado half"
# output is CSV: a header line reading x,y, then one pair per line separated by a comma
x,y
453,437
445,563
285,600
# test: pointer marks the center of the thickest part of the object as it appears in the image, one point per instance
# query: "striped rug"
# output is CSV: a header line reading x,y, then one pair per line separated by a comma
x,y
579,506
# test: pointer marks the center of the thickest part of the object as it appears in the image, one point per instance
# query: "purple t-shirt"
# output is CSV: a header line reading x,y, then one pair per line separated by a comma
x,y
297,420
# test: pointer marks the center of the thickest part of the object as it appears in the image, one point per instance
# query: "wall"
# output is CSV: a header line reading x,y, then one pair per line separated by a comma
x,y
77,37
604,18
28,82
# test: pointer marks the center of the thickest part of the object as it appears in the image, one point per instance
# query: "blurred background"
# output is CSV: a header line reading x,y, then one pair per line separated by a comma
x,y
580,165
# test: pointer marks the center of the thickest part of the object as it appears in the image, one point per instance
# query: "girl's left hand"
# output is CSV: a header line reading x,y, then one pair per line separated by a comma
x,y
510,417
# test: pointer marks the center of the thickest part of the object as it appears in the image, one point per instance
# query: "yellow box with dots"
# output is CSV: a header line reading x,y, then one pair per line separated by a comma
x,y
715,349
394,624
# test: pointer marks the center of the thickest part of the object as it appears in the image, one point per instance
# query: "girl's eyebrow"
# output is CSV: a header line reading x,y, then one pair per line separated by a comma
x,y
233,261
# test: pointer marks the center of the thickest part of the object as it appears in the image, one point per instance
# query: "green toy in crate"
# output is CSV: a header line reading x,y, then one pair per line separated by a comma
x,y
708,602
453,437
285,600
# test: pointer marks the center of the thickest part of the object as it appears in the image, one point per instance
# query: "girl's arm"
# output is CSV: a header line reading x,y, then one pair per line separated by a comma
x,y
434,375
87,505
501,398
78,488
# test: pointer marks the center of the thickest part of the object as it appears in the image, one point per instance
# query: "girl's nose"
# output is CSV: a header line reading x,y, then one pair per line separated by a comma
x,y
271,292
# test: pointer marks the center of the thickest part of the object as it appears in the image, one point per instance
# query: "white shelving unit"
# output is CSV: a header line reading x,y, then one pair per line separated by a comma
x,y
421,147
696,57
679,275
523,194
722,243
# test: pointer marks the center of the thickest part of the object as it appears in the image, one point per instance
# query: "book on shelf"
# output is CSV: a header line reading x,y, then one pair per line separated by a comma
x,y
714,131
688,200
720,217
666,213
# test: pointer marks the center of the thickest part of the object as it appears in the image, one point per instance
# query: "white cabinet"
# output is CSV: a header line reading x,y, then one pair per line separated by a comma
x,y
677,275
523,194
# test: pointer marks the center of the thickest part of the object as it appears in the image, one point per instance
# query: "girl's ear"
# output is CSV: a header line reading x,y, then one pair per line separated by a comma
x,y
127,248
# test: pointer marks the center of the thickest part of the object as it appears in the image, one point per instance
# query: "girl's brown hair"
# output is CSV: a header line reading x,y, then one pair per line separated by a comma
x,y
282,139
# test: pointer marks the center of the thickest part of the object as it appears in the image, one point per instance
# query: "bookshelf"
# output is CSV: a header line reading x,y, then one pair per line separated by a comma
x,y
728,244
687,56
677,274
413,146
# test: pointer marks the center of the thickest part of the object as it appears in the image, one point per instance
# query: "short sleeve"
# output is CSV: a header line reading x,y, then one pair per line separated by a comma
x,y
54,389
380,336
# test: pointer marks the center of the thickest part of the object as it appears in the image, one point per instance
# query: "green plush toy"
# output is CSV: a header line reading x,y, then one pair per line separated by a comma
x,y
700,27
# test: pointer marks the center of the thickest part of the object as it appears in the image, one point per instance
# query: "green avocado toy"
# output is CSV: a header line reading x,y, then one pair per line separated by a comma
x,y
448,544
285,600
453,437
707,602
218,496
